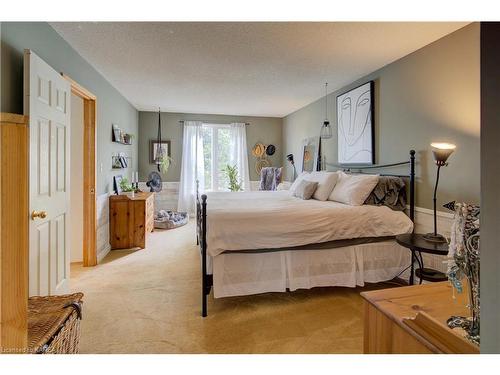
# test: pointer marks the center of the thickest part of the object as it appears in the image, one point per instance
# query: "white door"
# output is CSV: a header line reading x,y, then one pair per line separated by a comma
x,y
47,102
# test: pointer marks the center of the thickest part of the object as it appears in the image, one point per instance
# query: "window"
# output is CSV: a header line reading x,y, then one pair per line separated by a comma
x,y
216,155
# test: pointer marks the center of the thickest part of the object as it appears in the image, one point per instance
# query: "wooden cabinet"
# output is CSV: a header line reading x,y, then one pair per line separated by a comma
x,y
131,219
412,320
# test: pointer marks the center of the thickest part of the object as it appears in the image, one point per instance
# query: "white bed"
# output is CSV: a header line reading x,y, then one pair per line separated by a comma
x,y
238,223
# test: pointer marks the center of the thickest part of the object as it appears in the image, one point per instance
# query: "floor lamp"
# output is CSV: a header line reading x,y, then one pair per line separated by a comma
x,y
441,152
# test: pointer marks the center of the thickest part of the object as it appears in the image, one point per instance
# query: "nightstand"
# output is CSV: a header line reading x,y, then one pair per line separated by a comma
x,y
418,244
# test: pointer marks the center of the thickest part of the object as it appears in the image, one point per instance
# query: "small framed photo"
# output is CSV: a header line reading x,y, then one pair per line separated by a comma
x,y
155,147
116,184
310,154
117,133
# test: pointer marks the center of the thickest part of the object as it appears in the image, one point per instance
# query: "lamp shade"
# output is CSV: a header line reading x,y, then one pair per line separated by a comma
x,y
326,130
442,152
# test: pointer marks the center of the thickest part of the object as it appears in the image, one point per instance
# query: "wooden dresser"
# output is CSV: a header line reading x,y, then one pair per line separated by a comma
x,y
412,319
131,219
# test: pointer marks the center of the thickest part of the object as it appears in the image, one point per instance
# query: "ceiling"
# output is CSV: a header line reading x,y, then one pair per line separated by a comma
x,y
250,68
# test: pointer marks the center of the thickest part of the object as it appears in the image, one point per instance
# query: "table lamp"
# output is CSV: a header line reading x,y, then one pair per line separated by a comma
x,y
441,152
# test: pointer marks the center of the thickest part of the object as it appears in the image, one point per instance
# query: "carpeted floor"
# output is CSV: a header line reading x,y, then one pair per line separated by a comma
x,y
148,301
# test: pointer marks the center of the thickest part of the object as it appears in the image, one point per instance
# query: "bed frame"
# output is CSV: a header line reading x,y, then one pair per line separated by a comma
x,y
201,216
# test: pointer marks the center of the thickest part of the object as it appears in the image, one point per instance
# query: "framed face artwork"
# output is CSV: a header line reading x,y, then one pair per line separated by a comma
x,y
355,117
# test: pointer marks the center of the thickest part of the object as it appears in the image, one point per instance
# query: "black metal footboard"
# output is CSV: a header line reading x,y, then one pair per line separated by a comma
x,y
201,233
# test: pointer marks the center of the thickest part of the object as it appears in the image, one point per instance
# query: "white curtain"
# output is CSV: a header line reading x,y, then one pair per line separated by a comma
x,y
239,156
192,167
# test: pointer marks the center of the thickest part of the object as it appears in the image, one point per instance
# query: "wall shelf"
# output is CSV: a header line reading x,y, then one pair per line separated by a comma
x,y
123,143
119,136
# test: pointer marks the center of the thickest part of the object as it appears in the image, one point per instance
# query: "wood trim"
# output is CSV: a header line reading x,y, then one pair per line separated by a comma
x,y
79,90
89,172
420,313
14,232
13,118
89,185
439,335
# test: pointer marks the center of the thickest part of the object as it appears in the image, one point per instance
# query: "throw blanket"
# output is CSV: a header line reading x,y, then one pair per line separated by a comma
x,y
270,177
390,191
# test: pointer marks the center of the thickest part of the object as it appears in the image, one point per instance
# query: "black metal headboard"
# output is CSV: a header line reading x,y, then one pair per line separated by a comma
x,y
410,175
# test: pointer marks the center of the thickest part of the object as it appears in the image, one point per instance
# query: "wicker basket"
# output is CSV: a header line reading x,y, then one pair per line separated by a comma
x,y
54,324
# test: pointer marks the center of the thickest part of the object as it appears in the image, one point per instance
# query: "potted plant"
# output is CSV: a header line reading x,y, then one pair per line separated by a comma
x,y
232,174
163,161
126,187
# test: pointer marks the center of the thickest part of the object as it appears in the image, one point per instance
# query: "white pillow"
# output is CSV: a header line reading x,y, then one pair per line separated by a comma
x,y
305,189
285,185
296,183
353,189
326,182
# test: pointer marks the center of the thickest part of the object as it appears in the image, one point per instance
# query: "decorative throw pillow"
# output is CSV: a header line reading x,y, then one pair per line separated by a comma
x,y
353,189
285,185
305,189
299,178
326,182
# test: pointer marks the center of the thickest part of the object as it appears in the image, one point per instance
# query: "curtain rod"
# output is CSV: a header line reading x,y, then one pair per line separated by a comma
x,y
206,122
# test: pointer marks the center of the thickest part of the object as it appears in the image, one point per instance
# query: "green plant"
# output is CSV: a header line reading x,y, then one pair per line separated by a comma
x,y
232,174
125,185
164,163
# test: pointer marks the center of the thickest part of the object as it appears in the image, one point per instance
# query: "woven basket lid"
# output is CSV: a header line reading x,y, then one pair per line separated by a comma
x,y
46,315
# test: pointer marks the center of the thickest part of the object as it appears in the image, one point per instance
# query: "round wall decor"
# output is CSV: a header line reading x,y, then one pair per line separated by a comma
x,y
261,164
258,150
270,150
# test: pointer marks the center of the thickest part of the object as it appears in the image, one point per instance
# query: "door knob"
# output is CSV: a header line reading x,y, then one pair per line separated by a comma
x,y
39,214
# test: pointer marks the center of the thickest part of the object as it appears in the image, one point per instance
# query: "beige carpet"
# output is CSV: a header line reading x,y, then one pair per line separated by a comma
x,y
148,301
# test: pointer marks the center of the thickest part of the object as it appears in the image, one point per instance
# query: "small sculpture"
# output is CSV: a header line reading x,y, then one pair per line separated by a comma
x,y
464,263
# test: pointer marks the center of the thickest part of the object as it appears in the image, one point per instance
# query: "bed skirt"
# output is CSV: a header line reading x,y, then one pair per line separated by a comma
x,y
239,274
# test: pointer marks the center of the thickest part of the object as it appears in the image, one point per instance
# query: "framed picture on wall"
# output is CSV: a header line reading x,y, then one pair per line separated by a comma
x,y
117,133
155,147
116,184
356,132
310,154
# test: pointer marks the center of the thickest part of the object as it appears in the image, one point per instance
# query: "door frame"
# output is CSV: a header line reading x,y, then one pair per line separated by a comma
x,y
89,171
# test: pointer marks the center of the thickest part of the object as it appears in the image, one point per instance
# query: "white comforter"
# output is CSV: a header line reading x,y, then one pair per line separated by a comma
x,y
275,219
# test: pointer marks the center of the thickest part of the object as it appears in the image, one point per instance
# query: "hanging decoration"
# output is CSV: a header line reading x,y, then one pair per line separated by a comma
x,y
326,129
159,152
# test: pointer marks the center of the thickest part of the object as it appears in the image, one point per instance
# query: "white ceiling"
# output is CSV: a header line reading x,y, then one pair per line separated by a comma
x,y
254,69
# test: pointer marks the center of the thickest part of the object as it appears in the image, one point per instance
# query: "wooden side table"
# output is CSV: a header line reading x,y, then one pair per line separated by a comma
x,y
418,244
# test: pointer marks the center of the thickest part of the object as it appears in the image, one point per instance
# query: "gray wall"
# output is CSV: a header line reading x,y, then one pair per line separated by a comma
x,y
429,95
112,107
261,129
490,181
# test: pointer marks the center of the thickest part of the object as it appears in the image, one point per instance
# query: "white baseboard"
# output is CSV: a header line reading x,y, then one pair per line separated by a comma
x,y
105,251
424,221
102,230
